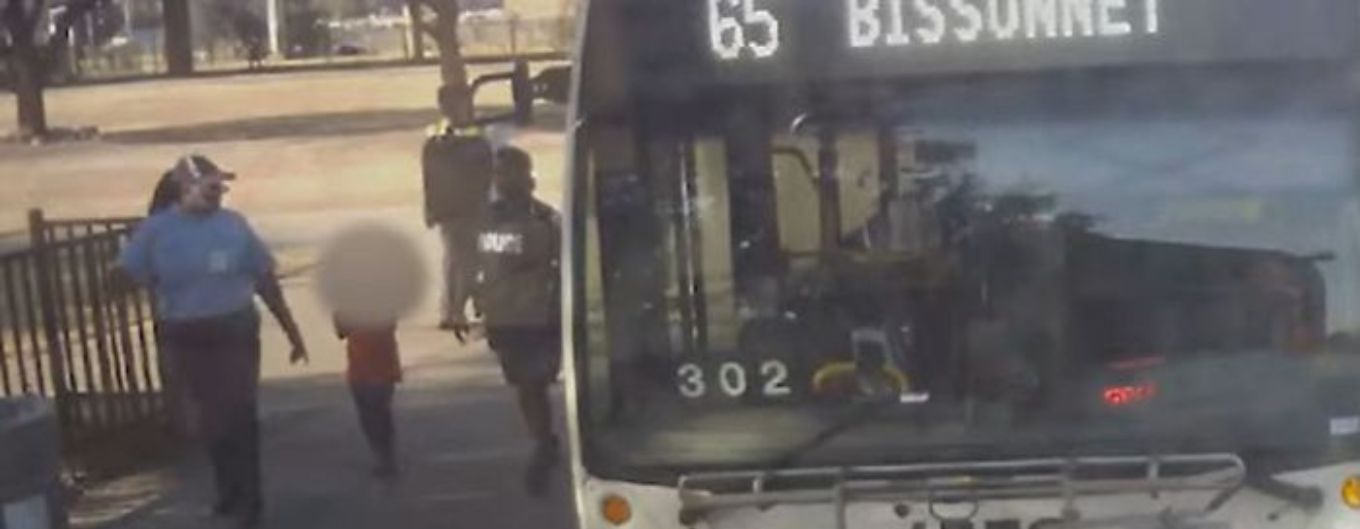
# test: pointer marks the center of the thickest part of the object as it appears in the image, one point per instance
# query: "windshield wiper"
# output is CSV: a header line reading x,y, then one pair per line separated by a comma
x,y
860,413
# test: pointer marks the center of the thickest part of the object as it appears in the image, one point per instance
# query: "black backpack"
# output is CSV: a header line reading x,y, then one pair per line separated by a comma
x,y
457,172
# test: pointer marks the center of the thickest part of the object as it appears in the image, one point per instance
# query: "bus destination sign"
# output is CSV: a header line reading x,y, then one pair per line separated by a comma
x,y
840,38
896,23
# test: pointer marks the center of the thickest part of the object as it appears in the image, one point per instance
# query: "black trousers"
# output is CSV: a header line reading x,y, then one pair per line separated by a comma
x,y
374,403
218,361
235,457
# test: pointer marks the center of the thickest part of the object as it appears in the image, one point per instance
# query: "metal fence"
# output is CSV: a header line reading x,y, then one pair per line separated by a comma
x,y
65,334
513,34
351,41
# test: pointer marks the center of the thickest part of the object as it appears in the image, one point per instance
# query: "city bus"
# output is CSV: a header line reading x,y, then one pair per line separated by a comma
x,y
963,264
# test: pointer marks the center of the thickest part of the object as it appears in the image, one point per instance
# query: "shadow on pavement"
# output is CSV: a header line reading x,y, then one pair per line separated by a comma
x,y
309,125
462,450
549,118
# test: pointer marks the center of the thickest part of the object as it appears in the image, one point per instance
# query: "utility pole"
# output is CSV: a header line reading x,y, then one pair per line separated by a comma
x,y
127,24
276,27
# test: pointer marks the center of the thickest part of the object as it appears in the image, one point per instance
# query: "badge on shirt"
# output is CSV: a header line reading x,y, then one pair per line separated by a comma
x,y
501,243
218,262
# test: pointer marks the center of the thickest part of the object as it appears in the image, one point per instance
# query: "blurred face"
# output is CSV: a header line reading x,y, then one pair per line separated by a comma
x,y
203,195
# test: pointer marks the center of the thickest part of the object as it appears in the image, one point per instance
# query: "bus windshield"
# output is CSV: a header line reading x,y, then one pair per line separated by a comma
x,y
1086,263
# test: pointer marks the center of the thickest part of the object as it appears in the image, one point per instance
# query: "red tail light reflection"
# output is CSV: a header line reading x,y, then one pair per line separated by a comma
x,y
1120,396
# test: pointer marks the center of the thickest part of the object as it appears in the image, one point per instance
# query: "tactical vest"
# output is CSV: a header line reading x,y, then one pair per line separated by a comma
x,y
519,249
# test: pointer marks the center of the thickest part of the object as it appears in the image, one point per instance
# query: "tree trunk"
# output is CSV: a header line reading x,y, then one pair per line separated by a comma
x,y
453,72
179,43
27,69
415,18
455,96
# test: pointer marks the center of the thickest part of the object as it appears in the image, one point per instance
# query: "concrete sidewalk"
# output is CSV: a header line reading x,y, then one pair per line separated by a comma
x,y
462,445
462,450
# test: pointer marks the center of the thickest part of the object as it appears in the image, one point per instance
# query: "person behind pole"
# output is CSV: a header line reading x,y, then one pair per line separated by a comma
x,y
456,166
204,264
518,297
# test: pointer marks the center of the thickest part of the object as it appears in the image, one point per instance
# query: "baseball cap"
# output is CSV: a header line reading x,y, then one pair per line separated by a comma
x,y
196,166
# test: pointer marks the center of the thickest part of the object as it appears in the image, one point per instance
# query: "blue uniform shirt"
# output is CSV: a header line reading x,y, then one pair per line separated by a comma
x,y
197,266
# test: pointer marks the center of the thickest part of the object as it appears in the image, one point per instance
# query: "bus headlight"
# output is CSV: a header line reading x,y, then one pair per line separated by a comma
x,y
616,510
1350,492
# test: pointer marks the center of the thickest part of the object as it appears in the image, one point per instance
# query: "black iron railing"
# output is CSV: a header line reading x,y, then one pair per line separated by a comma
x,y
65,334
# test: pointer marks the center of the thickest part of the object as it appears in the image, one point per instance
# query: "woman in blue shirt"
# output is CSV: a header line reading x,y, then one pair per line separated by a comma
x,y
204,265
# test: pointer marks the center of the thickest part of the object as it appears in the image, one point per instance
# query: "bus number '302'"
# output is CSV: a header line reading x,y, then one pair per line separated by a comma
x,y
732,379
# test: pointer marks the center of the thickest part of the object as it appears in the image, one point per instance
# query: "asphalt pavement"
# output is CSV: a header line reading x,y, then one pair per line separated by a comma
x,y
462,450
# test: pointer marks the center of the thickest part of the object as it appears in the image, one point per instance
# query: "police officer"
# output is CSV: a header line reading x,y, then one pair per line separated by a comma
x,y
517,294
456,165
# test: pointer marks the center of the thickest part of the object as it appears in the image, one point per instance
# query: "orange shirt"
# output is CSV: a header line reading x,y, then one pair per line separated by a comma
x,y
372,352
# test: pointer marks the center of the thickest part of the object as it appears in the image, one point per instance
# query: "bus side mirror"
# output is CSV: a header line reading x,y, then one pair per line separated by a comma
x,y
551,84
522,93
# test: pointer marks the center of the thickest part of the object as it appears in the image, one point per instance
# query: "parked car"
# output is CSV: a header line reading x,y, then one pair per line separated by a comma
x,y
348,49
